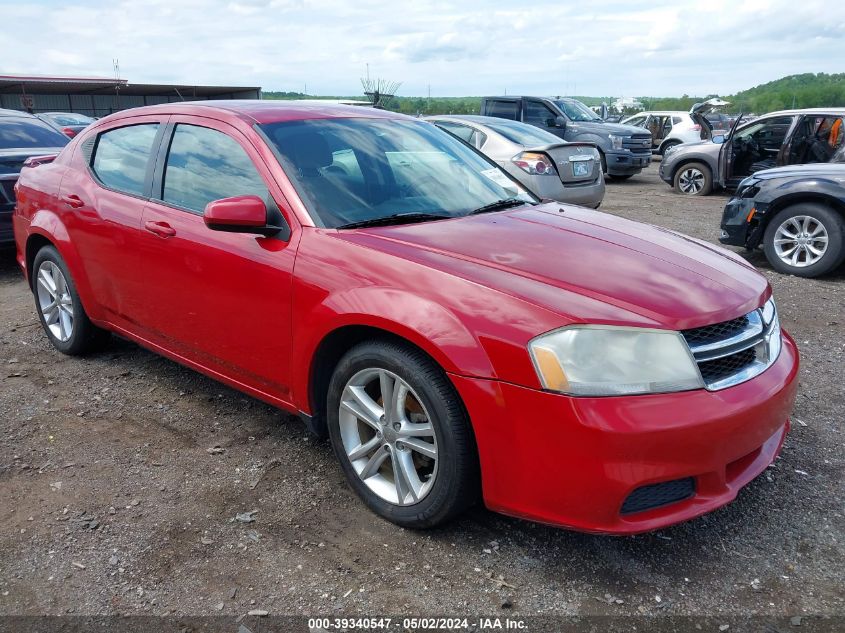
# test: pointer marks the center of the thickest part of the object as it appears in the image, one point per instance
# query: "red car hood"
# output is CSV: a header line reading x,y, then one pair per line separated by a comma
x,y
649,275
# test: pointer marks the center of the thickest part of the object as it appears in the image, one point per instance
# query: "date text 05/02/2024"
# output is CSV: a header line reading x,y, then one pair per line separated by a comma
x,y
416,624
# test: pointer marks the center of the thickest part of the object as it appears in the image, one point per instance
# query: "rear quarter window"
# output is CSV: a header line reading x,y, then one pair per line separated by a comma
x,y
121,157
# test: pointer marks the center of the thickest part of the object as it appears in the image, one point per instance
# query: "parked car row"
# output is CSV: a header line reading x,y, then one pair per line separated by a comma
x,y
671,128
456,337
789,137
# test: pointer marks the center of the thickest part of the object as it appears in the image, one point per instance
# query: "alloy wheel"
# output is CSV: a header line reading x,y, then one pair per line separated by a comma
x,y
800,241
55,301
691,180
388,436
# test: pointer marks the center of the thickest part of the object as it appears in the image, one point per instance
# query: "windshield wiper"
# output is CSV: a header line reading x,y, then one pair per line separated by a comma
x,y
396,218
506,203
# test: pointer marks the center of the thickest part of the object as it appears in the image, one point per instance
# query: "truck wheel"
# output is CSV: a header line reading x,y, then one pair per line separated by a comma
x,y
805,239
694,179
401,435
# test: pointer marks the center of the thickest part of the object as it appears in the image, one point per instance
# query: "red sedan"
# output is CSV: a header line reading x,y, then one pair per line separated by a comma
x,y
455,337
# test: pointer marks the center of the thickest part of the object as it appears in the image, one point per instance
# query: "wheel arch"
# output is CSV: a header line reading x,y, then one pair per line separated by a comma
x,y
791,199
47,229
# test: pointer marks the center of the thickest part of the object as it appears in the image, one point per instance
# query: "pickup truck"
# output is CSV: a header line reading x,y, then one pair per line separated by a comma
x,y
625,149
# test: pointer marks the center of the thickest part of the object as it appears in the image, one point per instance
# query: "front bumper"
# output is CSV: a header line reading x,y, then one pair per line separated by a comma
x,y
572,462
741,227
665,171
626,163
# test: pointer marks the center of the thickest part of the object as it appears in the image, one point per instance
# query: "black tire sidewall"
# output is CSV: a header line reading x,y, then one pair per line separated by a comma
x,y
451,487
704,169
84,332
666,146
833,223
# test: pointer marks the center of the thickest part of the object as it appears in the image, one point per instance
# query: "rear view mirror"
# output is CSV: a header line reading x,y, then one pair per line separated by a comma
x,y
719,139
241,214
559,121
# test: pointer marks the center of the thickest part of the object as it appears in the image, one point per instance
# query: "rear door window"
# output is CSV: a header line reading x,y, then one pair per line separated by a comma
x,y
503,109
204,165
539,114
464,132
122,155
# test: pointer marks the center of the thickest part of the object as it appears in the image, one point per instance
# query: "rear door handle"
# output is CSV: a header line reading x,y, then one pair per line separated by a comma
x,y
73,201
162,229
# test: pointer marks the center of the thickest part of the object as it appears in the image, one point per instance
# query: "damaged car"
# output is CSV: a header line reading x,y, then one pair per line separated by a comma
x,y
796,214
546,165
788,137
672,127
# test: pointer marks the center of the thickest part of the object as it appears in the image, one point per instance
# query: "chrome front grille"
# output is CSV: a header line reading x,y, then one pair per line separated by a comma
x,y
637,143
734,351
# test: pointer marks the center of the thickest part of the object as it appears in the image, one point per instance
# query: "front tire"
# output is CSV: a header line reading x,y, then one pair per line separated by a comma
x,y
620,176
59,309
413,462
805,240
694,179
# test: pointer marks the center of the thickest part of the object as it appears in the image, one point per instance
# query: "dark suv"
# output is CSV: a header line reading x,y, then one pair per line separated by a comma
x,y
22,135
625,149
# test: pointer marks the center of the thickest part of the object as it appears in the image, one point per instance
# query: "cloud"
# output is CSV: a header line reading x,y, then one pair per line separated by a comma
x,y
471,47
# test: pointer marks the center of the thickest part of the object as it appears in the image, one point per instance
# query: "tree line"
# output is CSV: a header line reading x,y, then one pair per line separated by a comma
x,y
807,90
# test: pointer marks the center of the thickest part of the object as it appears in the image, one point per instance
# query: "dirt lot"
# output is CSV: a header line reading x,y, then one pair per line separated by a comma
x,y
111,500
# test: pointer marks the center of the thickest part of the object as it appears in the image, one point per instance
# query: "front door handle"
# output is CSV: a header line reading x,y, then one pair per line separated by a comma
x,y
73,201
162,229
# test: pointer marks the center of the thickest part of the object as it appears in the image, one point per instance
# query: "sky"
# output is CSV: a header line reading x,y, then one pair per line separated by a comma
x,y
470,47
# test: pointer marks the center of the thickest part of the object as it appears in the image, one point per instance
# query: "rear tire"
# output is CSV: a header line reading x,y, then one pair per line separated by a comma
x,y
59,308
620,176
694,179
437,465
666,146
817,247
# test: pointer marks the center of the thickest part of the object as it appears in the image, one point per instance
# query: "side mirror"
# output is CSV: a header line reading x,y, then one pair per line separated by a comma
x,y
718,139
559,121
240,214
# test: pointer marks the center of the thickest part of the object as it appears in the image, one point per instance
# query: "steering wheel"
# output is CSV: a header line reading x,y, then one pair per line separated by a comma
x,y
749,144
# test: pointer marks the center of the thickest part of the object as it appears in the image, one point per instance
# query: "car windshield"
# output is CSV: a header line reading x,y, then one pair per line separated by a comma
x,y
356,170
576,110
71,119
21,133
523,134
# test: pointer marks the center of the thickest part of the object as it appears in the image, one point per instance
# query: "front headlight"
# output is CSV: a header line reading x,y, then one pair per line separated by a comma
x,y
615,141
586,360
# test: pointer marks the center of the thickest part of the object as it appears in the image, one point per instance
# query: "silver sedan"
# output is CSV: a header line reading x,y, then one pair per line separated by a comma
x,y
547,166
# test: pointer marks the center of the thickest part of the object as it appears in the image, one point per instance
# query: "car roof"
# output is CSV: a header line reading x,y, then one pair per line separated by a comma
x,y
262,110
663,112
471,118
17,113
834,111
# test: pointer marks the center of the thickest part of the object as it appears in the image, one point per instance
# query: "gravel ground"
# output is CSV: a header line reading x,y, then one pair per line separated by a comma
x,y
121,476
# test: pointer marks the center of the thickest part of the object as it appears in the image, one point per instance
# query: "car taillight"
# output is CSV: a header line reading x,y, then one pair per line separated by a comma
x,y
696,128
535,163
69,132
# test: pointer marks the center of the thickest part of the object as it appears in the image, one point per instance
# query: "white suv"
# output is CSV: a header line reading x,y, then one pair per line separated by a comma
x,y
669,128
